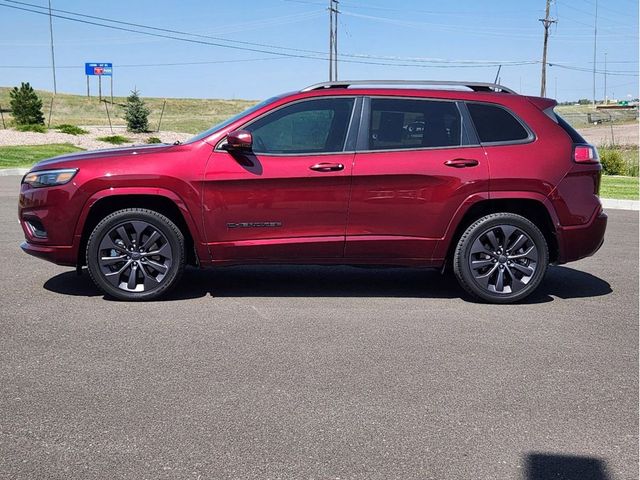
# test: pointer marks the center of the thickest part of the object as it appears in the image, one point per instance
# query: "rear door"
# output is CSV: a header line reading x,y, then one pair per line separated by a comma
x,y
417,162
287,199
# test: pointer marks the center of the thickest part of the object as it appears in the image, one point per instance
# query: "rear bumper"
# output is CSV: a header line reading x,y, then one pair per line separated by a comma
x,y
580,241
61,255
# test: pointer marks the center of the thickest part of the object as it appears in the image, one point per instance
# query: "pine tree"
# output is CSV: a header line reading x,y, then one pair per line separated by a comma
x,y
26,106
136,113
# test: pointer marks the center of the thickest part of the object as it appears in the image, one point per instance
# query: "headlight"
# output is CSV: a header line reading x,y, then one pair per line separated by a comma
x,y
49,178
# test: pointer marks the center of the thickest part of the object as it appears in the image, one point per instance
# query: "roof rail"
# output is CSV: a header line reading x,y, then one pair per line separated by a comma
x,y
475,86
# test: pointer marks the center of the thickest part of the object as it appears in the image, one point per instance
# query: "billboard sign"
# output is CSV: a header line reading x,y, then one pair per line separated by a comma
x,y
100,69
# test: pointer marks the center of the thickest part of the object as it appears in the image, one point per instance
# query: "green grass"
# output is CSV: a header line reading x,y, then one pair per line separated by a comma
x,y
188,115
27,155
114,139
624,188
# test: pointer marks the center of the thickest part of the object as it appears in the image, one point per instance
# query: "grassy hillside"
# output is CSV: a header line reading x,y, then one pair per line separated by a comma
x,y
180,114
191,115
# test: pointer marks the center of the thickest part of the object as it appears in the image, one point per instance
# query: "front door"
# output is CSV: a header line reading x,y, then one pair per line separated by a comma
x,y
287,198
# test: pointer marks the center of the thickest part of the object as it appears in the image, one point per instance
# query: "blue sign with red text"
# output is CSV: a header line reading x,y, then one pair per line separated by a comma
x,y
101,69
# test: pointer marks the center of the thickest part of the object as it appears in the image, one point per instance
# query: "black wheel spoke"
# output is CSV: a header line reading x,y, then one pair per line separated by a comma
x,y
517,245
526,271
133,277
492,239
500,280
158,267
138,229
530,254
124,236
149,242
475,264
113,260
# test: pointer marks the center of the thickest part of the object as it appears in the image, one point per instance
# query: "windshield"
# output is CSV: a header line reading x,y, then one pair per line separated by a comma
x,y
229,121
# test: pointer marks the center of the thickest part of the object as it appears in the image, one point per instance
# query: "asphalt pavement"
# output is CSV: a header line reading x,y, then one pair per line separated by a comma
x,y
319,373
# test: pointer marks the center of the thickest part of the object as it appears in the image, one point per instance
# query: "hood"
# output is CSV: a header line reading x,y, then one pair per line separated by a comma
x,y
69,159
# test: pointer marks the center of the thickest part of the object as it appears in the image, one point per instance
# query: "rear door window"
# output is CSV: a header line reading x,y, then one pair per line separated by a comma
x,y
411,123
496,124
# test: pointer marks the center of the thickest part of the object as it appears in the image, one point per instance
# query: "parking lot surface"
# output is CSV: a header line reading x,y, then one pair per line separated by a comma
x,y
319,372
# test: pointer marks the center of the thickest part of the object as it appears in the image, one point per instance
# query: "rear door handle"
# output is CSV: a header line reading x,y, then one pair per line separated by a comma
x,y
327,167
461,162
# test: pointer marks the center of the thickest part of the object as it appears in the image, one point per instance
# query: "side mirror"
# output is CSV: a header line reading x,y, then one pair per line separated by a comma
x,y
238,140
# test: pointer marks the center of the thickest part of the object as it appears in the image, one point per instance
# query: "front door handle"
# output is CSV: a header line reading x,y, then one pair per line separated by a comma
x,y
327,167
461,162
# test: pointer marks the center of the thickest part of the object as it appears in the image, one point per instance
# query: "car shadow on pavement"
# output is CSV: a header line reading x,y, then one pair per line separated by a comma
x,y
340,281
548,466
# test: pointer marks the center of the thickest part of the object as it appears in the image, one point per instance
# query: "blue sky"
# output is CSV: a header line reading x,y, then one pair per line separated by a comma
x,y
459,40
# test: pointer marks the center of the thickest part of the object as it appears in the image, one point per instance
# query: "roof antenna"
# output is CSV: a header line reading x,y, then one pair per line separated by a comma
x,y
498,74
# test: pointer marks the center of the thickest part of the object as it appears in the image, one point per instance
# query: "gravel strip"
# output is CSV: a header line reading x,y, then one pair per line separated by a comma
x,y
88,141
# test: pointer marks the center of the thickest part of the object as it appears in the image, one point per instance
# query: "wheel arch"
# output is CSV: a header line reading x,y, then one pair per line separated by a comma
x,y
533,209
166,203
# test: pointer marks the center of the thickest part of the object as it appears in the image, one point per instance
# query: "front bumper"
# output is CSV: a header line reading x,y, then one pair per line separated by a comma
x,y
580,241
61,255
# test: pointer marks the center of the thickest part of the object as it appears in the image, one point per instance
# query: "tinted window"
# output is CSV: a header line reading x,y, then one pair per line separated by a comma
x,y
404,123
495,124
313,126
575,136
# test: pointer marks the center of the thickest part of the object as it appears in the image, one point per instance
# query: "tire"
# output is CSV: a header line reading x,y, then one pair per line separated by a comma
x,y
135,254
501,258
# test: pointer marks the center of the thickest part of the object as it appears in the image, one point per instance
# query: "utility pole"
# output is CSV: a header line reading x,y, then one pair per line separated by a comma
x,y
595,43
546,22
333,40
606,98
53,57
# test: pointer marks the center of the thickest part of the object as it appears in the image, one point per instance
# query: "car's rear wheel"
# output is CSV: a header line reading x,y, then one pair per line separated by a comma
x,y
501,258
135,254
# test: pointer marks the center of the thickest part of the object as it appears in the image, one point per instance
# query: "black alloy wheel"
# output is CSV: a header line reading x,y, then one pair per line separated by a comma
x,y
135,254
501,258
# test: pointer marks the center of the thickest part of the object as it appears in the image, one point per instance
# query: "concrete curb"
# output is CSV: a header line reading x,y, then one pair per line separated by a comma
x,y
615,204
610,203
4,172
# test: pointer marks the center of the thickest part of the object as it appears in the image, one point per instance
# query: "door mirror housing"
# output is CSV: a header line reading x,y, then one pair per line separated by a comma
x,y
239,140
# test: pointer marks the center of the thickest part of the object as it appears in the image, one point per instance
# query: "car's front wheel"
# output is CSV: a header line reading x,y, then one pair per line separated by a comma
x,y
135,254
501,258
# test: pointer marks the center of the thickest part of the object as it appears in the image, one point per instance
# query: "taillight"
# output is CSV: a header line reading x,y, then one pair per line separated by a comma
x,y
585,154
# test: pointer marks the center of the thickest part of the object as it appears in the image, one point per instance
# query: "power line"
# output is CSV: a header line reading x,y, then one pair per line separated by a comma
x,y
313,55
353,58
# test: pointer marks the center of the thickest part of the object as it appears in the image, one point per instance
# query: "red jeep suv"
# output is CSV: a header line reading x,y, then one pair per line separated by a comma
x,y
470,175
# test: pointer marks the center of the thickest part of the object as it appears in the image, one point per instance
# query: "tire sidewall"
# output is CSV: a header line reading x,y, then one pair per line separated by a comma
x,y
462,253
162,223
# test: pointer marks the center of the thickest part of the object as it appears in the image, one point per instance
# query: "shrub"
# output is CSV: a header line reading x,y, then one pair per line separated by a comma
x,y
612,162
26,106
114,139
153,140
136,113
71,129
32,128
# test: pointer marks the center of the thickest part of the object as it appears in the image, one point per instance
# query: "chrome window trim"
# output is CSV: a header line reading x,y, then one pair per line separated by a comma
x,y
355,98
